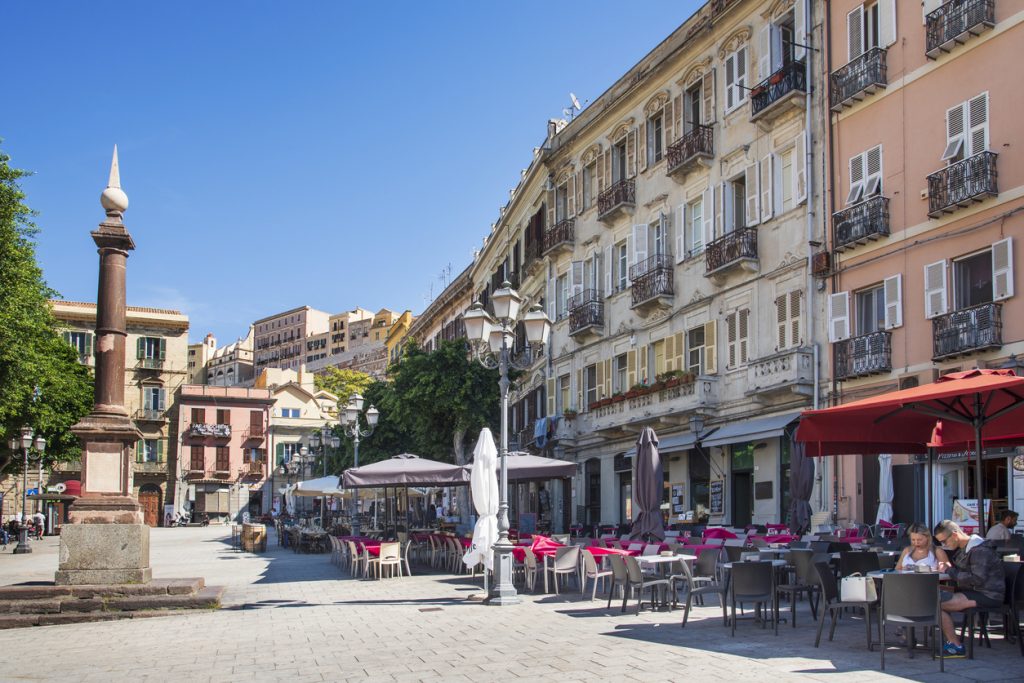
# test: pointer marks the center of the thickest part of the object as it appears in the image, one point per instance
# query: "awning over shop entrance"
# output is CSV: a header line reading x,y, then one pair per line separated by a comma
x,y
670,444
751,430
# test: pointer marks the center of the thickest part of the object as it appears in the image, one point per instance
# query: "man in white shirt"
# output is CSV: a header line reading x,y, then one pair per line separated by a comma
x,y
1004,529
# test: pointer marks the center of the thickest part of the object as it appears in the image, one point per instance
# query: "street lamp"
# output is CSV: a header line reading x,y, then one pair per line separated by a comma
x,y
491,343
350,423
697,427
319,441
25,443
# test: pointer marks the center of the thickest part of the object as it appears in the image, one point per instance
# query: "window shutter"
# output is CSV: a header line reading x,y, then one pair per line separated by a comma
x,y
67,337
767,166
140,348
744,335
753,187
551,205
710,348
873,171
669,121
893,289
796,298
609,270
727,220
631,368
730,70
856,179
780,321
599,380
140,450
764,53
162,400
681,233
552,308
886,22
645,144
602,159
607,365
159,450
838,316
720,200
800,165
580,393
551,397
679,350
570,200
630,169
741,74
855,33
800,35
977,109
163,349
935,289
707,207
639,243
576,285
1002,269
955,119
731,334
88,344
279,457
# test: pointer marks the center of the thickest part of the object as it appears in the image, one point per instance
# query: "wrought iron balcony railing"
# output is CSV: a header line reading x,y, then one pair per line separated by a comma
x,y
861,77
730,248
698,144
254,432
955,22
149,415
586,310
967,330
619,195
150,363
962,183
791,78
251,468
867,354
561,234
652,278
866,220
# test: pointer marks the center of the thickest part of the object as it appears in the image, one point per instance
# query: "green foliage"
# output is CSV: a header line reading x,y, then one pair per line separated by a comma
x,y
343,383
32,354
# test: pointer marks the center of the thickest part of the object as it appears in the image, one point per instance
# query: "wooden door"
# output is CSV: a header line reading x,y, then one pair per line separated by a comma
x,y
150,502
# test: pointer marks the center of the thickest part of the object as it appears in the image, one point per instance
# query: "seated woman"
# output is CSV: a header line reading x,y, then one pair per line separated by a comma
x,y
921,551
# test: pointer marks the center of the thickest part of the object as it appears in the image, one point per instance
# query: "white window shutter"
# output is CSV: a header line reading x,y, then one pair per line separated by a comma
x,y
551,207
709,90
893,291
767,194
886,22
955,131
800,166
708,209
856,179
1002,269
726,220
609,270
935,289
873,171
710,347
570,200
838,316
855,33
669,121
801,33
764,53
753,188
744,334
741,73
730,70
730,338
576,283
681,233
552,309
639,243
977,119
630,170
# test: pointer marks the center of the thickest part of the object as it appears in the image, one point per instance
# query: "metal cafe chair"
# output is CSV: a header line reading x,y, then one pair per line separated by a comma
x,y
754,582
912,601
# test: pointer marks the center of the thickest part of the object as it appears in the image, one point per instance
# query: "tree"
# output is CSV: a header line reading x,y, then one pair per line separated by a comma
x,y
42,384
343,383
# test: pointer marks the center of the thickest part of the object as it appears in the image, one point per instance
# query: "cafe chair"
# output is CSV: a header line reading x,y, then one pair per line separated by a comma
x,y
638,582
390,557
529,568
805,581
592,572
620,578
695,590
1014,602
706,568
754,582
566,561
912,601
833,603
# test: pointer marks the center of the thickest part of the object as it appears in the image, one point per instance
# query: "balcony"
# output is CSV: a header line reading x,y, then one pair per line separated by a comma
x,y
560,237
522,439
620,197
148,415
858,79
667,406
218,431
735,249
150,467
963,183
966,331
781,374
586,313
254,434
150,364
868,354
253,469
690,152
955,23
781,92
651,282
858,224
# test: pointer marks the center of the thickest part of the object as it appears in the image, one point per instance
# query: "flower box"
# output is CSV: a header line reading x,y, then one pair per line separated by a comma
x,y
775,79
618,398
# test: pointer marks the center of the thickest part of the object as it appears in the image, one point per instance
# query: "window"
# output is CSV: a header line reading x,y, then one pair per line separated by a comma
x,y
966,129
563,399
619,378
223,459
562,296
154,398
622,272
788,308
659,237
786,180
870,310
287,451
736,203
620,170
589,185
289,412
150,450
694,231
591,390
150,348
81,342
561,202
197,458
223,416
655,138
736,79
254,454
700,349
972,280
870,25
692,111
737,326
865,175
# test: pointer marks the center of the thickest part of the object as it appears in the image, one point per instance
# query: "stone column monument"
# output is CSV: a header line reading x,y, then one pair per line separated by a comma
x,y
107,541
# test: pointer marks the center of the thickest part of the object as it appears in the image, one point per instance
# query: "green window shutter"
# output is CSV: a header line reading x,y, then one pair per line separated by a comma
x,y
140,451
88,344
140,348
163,348
280,454
162,400
160,450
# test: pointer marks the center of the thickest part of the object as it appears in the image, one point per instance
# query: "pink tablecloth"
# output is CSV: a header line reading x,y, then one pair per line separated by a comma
x,y
718,533
779,538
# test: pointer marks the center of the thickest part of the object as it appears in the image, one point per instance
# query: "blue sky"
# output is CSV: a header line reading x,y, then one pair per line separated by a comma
x,y
277,154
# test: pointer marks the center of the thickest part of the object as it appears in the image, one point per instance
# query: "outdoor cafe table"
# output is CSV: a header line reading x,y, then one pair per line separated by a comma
x,y
882,572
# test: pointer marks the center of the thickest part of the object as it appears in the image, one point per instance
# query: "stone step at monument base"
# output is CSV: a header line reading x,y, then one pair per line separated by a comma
x,y
47,604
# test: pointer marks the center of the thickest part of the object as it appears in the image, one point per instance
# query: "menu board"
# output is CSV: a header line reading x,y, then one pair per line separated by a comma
x,y
677,498
527,523
717,488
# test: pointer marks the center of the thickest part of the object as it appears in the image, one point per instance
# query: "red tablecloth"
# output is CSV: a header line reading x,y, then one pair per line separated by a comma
x,y
776,527
718,533
372,548
779,538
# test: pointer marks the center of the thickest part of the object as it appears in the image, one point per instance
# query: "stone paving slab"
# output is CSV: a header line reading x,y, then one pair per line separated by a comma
x,y
291,617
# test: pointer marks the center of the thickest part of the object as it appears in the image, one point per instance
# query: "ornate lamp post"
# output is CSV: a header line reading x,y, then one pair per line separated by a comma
x,y
319,441
350,423
697,427
25,443
491,342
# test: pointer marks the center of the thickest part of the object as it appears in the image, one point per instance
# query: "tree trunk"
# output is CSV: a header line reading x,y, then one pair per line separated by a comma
x,y
459,450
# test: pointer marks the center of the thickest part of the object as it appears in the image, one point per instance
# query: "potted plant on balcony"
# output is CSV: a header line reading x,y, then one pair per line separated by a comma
x,y
638,389
775,78
757,90
618,397
569,414
594,405
659,383
672,378
604,402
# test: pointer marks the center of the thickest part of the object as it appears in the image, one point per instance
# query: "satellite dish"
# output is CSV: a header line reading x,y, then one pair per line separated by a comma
x,y
575,102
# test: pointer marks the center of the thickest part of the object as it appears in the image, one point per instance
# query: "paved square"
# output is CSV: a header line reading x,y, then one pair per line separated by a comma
x,y
298,618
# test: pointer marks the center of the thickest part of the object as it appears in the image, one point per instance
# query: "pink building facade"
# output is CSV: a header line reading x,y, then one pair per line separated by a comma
x,y
926,171
223,455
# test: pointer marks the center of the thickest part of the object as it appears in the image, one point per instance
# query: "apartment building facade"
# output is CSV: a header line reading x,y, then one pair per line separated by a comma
x,y
928,188
279,340
232,365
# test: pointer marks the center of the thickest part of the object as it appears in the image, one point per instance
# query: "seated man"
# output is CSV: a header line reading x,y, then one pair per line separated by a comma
x,y
1003,531
978,572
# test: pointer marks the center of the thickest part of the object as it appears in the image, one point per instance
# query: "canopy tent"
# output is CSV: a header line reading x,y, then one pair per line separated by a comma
x,y
977,407
524,466
405,469
323,486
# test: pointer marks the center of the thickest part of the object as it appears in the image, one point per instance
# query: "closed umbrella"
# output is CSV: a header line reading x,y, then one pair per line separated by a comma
x,y
483,481
648,487
801,483
885,492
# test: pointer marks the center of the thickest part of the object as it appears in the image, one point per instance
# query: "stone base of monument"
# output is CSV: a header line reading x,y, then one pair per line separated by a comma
x,y
93,554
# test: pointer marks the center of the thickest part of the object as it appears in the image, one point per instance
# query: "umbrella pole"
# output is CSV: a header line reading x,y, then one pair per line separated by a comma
x,y
930,489
979,483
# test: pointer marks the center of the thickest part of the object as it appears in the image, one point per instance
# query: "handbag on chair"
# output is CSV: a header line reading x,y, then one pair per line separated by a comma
x,y
857,588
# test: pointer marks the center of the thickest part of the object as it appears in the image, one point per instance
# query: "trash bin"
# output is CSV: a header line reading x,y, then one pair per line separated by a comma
x,y
254,538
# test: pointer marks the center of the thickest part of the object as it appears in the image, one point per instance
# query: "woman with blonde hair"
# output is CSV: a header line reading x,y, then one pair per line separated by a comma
x,y
922,551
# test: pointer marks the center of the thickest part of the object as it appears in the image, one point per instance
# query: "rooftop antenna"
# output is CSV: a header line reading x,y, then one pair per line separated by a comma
x,y
574,107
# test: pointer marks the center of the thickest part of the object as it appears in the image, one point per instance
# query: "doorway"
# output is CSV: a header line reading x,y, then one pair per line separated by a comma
x,y
593,479
742,484
150,500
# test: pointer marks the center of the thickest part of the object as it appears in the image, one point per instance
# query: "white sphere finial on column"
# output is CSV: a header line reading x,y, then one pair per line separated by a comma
x,y
113,199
